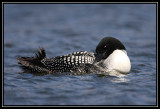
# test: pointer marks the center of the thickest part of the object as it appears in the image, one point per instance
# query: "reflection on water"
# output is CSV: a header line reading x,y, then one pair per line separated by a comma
x,y
120,80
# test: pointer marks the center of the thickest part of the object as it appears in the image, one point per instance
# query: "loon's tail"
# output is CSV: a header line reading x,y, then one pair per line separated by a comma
x,y
34,63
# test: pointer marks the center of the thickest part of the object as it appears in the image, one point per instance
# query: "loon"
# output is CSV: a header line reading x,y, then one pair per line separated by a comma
x,y
111,55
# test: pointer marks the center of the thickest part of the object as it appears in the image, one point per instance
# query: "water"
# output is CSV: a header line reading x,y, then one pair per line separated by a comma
x,y
66,28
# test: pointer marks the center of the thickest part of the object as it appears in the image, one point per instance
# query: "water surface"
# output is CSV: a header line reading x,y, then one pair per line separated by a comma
x,y
66,28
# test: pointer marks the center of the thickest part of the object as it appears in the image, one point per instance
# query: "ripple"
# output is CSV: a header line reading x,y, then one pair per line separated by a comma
x,y
9,45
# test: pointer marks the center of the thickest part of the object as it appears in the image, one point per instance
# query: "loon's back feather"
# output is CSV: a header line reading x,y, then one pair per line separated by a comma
x,y
67,63
70,62
34,63
41,54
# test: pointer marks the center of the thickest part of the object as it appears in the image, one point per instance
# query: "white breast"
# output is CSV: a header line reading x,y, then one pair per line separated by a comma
x,y
118,61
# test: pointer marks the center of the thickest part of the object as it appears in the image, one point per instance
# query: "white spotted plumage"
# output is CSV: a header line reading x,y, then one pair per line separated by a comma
x,y
68,62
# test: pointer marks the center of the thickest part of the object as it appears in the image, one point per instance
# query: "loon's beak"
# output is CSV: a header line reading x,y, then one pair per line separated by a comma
x,y
98,58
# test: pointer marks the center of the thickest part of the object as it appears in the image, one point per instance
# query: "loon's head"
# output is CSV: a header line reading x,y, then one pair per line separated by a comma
x,y
112,55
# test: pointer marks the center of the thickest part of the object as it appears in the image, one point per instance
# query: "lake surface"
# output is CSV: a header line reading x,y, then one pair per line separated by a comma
x,y
65,28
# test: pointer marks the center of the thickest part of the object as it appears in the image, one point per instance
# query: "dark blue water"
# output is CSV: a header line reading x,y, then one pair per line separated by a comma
x,y
66,28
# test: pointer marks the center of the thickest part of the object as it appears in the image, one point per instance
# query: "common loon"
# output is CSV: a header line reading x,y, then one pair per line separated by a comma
x,y
110,56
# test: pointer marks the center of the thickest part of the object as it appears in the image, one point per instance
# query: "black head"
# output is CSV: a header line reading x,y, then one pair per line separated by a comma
x,y
106,46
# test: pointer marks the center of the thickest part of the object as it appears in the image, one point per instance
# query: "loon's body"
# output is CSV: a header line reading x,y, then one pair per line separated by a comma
x,y
110,55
